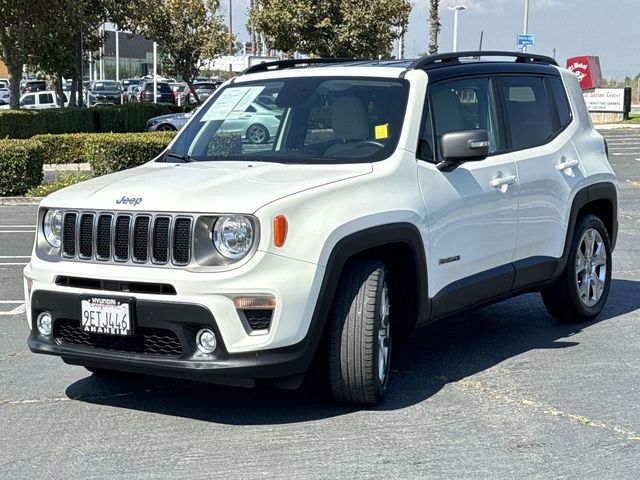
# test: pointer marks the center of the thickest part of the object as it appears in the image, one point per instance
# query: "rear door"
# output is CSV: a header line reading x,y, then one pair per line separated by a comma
x,y
539,126
472,219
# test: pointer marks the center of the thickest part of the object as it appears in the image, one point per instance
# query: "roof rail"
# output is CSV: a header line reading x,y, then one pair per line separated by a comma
x,y
453,58
292,63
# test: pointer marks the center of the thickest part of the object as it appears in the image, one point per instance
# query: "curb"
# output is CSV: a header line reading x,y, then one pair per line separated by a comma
x,y
614,126
66,167
17,201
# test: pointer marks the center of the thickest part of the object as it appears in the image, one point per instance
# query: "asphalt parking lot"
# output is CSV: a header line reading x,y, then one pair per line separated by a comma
x,y
503,392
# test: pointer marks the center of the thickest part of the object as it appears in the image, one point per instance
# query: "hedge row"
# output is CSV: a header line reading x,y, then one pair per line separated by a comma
x,y
20,166
21,160
108,153
130,117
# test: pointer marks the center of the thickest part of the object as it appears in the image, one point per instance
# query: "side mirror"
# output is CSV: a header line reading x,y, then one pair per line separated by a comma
x,y
464,146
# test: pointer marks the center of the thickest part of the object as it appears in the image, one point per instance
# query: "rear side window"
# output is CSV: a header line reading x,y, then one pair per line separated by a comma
x,y
560,99
528,111
46,98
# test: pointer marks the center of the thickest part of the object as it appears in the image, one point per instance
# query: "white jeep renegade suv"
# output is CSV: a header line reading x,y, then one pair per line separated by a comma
x,y
392,194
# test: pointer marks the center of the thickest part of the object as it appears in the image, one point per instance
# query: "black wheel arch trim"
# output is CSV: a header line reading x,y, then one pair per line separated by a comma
x,y
591,193
353,245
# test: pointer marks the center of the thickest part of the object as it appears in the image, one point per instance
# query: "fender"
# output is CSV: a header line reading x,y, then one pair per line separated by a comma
x,y
350,246
597,191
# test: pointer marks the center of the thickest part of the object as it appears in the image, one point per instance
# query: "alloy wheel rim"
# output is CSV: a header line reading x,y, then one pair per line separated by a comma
x,y
384,335
256,134
591,267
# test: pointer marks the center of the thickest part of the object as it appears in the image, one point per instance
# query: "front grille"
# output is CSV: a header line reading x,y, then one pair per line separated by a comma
x,y
258,319
103,237
126,238
86,235
181,241
121,250
141,239
147,341
161,240
69,235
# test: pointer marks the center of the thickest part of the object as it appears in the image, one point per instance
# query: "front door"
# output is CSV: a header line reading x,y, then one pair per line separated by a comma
x,y
472,210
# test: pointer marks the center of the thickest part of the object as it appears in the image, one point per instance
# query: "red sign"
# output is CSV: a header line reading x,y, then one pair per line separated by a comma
x,y
587,69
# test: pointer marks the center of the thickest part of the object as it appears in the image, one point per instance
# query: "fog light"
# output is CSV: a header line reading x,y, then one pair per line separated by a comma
x,y
206,341
44,323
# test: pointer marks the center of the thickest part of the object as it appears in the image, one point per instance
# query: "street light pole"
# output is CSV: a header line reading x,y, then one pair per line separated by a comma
x,y
456,9
526,22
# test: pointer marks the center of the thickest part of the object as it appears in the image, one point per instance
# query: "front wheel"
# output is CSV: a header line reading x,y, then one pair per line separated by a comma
x,y
360,335
581,291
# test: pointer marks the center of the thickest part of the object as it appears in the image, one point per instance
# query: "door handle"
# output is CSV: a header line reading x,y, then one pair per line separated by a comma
x,y
503,181
563,165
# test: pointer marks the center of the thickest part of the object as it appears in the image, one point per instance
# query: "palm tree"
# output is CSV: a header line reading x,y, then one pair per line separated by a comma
x,y
434,27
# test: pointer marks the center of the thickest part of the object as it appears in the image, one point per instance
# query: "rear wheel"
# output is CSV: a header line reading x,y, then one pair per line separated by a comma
x,y
360,335
257,134
581,291
165,127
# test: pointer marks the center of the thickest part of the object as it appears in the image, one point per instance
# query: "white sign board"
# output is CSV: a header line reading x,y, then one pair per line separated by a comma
x,y
605,100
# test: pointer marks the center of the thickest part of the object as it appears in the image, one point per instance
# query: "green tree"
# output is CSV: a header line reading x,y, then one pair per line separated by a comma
x,y
331,28
189,33
18,21
434,26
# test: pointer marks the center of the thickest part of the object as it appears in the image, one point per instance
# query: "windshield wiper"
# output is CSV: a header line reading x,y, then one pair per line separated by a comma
x,y
184,158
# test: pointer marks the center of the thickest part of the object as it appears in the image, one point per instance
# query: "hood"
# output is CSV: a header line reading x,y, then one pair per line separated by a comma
x,y
200,187
104,92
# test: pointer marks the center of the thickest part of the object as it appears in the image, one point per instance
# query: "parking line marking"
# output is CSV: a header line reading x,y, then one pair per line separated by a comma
x,y
11,301
550,410
17,226
22,264
17,231
14,256
16,311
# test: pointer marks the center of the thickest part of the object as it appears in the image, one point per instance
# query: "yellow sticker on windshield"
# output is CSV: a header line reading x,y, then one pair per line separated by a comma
x,y
382,131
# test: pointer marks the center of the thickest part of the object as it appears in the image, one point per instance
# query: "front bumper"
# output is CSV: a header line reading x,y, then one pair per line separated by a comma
x,y
184,320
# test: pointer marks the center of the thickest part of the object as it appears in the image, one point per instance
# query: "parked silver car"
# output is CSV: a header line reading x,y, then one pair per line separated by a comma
x,y
257,124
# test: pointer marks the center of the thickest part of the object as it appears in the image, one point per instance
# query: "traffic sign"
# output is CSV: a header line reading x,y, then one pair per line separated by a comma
x,y
526,40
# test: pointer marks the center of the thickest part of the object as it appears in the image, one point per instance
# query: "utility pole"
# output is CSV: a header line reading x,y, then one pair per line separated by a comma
x,y
526,22
79,67
117,56
155,72
231,36
456,9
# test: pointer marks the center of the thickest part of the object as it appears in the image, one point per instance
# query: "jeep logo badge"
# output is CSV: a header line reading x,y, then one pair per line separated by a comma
x,y
129,201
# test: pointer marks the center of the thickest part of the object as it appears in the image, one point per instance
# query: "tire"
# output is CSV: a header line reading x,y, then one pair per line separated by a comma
x,y
257,134
165,127
360,335
581,291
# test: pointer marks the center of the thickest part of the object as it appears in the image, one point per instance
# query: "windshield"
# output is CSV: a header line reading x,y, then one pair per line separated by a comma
x,y
108,86
298,120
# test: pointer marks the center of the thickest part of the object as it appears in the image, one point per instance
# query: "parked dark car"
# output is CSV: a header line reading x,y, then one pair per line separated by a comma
x,y
164,94
204,90
34,86
104,92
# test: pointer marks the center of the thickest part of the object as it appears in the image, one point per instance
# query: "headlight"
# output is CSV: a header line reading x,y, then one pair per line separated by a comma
x,y
151,123
52,227
233,236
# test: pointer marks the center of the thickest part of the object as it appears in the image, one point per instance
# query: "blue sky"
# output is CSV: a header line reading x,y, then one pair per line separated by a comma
x,y
608,28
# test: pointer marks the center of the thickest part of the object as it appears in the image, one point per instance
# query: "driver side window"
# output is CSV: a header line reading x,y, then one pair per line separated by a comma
x,y
465,104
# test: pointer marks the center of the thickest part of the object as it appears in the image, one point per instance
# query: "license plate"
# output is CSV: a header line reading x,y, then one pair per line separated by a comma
x,y
109,316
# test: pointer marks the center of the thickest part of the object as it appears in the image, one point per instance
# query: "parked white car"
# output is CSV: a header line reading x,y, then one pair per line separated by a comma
x,y
391,194
39,100
5,96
